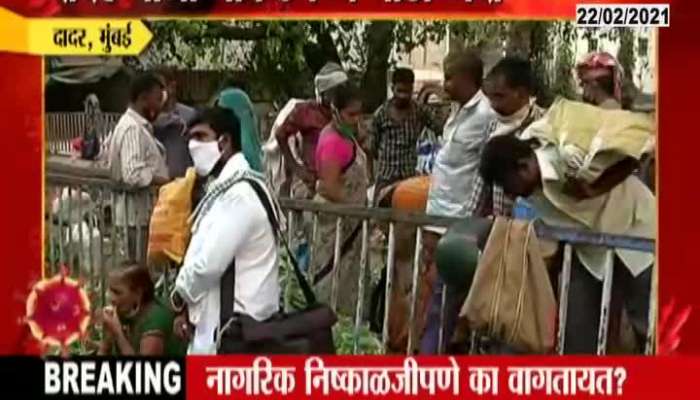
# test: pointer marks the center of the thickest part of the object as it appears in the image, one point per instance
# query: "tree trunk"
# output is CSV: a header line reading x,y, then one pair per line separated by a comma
x,y
626,56
540,57
379,46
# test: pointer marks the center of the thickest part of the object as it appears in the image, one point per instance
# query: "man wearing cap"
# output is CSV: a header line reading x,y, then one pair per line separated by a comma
x,y
306,120
600,77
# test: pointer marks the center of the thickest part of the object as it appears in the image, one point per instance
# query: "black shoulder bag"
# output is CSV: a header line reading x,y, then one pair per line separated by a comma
x,y
303,332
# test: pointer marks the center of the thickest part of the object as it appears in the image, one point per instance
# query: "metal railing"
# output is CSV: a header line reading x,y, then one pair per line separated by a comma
x,y
62,127
567,236
84,232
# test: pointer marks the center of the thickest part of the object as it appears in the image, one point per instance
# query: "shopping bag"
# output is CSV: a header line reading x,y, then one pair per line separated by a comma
x,y
427,149
170,227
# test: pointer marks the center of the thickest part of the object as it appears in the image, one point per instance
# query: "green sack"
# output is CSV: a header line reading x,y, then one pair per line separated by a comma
x,y
457,252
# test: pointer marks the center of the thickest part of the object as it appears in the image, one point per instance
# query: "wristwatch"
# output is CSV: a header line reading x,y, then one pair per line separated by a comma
x,y
177,302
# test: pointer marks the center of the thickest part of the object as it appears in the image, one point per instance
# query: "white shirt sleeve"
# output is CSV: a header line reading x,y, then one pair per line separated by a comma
x,y
135,171
232,226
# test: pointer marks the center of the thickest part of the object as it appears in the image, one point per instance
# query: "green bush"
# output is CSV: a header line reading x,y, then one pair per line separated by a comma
x,y
343,332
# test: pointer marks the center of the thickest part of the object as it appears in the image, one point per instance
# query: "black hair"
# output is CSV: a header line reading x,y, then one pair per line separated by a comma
x,y
500,157
223,121
516,71
403,75
607,84
466,61
137,277
344,95
144,83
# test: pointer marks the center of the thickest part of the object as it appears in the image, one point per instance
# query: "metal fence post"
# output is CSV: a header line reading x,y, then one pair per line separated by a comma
x,y
443,313
605,303
565,280
364,259
650,346
389,283
414,291
336,264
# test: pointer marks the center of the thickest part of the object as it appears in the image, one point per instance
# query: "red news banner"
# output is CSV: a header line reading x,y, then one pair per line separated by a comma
x,y
439,377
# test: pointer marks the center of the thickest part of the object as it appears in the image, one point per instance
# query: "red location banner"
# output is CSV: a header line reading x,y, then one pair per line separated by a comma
x,y
390,377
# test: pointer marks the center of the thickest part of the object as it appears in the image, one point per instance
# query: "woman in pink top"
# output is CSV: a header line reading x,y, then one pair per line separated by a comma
x,y
341,165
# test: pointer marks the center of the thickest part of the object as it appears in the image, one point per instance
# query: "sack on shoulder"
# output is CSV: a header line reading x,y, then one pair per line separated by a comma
x,y
511,298
170,227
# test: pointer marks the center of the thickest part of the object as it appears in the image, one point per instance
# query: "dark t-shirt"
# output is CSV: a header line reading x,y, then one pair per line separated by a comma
x,y
170,129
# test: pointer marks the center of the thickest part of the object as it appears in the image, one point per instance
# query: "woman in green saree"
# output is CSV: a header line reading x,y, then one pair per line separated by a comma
x,y
137,323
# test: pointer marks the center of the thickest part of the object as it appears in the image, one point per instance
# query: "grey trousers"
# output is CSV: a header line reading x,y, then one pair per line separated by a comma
x,y
136,244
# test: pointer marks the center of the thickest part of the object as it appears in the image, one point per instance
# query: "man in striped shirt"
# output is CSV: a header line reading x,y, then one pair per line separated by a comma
x,y
137,160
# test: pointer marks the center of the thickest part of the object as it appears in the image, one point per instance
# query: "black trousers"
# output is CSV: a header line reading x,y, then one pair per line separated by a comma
x,y
583,315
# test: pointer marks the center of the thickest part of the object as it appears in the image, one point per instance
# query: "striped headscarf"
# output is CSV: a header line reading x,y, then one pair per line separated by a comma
x,y
599,64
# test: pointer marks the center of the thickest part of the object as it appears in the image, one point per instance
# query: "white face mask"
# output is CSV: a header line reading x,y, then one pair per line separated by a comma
x,y
515,118
204,155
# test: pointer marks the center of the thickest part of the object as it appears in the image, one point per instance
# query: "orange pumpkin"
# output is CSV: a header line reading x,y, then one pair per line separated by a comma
x,y
411,194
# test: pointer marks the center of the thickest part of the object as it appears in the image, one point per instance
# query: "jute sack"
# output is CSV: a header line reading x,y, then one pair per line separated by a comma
x,y
511,298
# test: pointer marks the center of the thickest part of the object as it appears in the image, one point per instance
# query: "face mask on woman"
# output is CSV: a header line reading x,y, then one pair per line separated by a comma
x,y
347,130
204,155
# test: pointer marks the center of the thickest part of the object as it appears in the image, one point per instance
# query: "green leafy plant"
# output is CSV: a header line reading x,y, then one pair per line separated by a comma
x,y
344,336
344,331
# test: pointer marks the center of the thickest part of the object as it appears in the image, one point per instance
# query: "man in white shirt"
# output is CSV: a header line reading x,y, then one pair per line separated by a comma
x,y
453,175
628,208
230,223
137,160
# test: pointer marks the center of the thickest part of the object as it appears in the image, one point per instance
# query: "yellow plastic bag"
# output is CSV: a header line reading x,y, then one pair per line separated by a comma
x,y
170,228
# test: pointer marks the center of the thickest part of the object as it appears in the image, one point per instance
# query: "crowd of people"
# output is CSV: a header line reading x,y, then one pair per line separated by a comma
x,y
321,150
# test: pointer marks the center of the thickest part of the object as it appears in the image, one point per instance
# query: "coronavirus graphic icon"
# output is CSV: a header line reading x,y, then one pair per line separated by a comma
x,y
58,310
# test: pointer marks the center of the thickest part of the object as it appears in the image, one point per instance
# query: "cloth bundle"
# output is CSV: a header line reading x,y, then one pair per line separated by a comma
x,y
591,139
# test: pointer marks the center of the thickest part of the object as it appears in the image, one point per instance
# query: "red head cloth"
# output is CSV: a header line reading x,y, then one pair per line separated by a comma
x,y
599,64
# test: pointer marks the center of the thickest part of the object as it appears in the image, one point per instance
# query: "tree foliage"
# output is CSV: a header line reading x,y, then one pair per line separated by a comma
x,y
627,58
563,84
280,58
